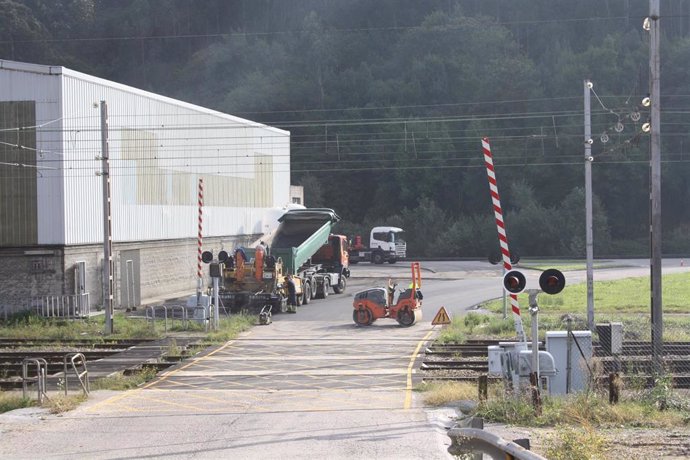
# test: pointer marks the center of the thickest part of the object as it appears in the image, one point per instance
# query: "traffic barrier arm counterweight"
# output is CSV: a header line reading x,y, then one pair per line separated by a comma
x,y
502,237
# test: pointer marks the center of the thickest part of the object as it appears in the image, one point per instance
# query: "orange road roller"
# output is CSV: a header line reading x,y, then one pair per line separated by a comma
x,y
404,306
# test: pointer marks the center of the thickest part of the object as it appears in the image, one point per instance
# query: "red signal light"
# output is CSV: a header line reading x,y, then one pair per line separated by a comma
x,y
514,282
552,281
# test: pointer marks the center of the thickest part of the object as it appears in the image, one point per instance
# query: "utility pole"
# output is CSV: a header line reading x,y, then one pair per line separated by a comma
x,y
588,206
655,185
107,225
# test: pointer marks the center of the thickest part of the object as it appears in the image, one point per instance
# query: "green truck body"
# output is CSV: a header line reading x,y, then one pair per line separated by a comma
x,y
299,236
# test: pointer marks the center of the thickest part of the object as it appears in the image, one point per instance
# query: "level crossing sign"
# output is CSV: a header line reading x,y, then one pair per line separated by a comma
x,y
441,317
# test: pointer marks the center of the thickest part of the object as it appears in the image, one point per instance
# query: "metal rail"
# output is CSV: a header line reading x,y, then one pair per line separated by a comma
x,y
473,440
88,344
62,306
82,376
151,315
465,363
39,379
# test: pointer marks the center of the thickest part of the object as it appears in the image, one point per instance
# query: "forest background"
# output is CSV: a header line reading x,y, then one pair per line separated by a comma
x,y
387,102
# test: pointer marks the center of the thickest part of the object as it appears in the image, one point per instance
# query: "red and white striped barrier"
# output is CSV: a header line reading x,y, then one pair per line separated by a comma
x,y
502,237
200,203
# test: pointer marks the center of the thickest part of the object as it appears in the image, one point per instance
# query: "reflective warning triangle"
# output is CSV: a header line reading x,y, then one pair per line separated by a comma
x,y
441,317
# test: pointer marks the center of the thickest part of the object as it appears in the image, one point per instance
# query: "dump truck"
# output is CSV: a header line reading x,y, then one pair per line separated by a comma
x,y
302,246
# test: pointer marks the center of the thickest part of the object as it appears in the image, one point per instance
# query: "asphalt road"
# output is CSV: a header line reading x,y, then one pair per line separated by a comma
x,y
310,385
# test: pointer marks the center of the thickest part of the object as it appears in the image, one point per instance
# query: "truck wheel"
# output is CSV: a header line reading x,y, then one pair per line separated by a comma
x,y
377,258
406,318
392,260
326,287
307,293
362,317
340,287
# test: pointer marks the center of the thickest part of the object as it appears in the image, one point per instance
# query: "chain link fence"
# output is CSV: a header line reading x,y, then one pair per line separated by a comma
x,y
623,349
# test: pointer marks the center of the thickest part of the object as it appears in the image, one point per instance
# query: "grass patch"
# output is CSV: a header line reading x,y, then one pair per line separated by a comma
x,y
576,443
121,382
564,265
625,301
57,404
11,401
441,393
625,296
638,409
478,325
229,328
582,409
27,325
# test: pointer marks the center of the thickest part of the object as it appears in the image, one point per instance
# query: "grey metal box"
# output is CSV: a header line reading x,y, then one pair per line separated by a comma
x,y
580,356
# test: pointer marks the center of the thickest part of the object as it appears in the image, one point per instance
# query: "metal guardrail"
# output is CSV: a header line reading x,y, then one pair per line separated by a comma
x,y
62,306
76,359
474,440
39,379
153,309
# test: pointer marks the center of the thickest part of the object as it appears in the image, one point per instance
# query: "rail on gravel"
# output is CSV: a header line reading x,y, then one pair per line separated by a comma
x,y
468,361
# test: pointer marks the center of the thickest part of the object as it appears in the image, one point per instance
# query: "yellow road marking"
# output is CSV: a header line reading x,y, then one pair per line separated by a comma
x,y
166,378
193,362
125,394
410,367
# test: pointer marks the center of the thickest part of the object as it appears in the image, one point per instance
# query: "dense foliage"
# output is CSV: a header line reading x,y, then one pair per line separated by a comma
x,y
387,101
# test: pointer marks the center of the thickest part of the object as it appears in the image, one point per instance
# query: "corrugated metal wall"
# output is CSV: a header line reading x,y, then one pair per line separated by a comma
x,y
159,148
27,82
18,208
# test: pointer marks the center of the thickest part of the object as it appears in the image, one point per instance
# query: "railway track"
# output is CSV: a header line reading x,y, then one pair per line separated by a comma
x,y
82,344
14,351
466,362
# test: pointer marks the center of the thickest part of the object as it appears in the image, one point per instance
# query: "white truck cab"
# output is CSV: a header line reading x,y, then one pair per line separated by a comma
x,y
386,244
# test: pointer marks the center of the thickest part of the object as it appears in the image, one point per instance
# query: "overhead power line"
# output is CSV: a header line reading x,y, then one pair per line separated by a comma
x,y
299,31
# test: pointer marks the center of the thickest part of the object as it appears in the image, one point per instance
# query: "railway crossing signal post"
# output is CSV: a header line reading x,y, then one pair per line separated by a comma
x,y
551,282
534,375
215,269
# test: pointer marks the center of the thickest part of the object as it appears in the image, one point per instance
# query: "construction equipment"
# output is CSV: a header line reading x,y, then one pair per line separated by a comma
x,y
375,303
301,246
265,315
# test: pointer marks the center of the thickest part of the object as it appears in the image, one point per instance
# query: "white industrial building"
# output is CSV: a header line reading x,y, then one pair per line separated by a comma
x,y
51,186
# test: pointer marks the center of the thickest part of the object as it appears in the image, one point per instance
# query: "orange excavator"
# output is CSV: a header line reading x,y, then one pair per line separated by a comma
x,y
375,303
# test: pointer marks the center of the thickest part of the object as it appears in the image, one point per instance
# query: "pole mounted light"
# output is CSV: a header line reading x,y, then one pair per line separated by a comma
x,y
514,281
589,233
654,21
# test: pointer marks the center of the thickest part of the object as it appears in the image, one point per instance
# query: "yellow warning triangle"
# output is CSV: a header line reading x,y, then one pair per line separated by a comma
x,y
441,317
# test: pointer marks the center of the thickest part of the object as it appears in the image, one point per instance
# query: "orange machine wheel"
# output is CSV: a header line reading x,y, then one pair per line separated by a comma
x,y
406,317
362,316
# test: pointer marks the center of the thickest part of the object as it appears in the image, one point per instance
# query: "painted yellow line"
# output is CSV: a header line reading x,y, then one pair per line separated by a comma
x,y
192,363
125,394
410,368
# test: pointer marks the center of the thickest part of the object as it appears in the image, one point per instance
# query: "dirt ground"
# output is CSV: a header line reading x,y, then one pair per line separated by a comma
x,y
623,443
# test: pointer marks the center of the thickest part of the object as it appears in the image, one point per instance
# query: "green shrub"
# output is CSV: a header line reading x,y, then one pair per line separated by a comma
x,y
570,443
11,401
